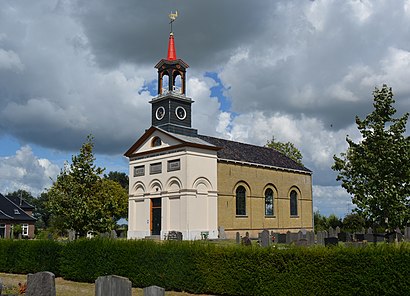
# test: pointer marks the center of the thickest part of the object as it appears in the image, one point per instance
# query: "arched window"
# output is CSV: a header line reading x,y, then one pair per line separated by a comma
x,y
240,201
268,202
293,203
156,142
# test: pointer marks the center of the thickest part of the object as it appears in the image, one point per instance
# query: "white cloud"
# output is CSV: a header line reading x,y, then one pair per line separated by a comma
x,y
332,200
26,171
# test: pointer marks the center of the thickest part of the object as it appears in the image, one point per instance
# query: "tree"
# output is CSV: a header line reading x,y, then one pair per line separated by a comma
x,y
121,178
81,200
376,171
287,149
353,222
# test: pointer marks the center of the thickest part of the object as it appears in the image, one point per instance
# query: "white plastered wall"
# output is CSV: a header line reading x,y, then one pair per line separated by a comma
x,y
189,195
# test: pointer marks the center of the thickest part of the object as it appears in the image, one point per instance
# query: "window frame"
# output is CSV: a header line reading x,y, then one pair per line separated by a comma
x,y
24,229
272,213
240,205
154,165
293,203
139,167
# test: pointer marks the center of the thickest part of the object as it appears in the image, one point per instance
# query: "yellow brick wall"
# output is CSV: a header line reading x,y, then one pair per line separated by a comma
x,y
256,180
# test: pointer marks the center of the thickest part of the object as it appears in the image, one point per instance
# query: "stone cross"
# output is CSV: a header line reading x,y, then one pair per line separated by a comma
x,y
112,285
41,283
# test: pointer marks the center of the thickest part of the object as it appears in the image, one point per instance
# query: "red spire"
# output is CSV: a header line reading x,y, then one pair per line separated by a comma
x,y
172,54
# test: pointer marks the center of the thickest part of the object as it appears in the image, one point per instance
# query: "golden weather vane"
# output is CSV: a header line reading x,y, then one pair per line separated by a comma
x,y
172,17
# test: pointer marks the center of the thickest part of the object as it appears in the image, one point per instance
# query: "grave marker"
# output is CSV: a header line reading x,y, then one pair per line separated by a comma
x,y
112,285
41,283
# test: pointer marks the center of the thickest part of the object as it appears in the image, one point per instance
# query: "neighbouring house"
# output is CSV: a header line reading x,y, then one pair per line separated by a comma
x,y
204,186
16,211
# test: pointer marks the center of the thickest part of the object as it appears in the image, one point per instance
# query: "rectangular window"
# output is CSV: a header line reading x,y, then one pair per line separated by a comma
x,y
2,230
139,171
174,165
25,230
155,168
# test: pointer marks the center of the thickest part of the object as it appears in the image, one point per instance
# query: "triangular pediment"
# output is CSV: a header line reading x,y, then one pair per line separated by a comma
x,y
148,142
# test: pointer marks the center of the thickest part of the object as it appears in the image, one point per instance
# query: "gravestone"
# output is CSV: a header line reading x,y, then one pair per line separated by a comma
x,y
359,237
321,235
154,291
291,237
71,235
282,238
337,231
368,237
275,237
302,242
113,234
112,285
370,230
265,238
175,235
246,241
310,236
407,232
331,241
41,283
342,236
238,238
221,232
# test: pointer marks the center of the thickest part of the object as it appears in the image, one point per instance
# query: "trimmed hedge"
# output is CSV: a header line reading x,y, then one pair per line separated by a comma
x,y
209,269
24,256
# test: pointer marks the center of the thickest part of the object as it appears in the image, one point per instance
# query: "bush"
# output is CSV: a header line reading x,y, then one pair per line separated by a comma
x,y
25,256
198,267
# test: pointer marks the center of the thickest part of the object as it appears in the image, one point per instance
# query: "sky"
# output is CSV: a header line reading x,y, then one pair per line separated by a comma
x,y
297,70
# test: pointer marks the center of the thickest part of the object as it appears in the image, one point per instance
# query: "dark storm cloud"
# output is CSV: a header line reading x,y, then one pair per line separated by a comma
x,y
136,31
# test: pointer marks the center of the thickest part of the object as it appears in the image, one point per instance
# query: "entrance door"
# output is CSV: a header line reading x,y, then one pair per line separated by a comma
x,y
155,216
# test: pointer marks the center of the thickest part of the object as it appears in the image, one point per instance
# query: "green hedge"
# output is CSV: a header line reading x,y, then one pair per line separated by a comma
x,y
209,269
24,256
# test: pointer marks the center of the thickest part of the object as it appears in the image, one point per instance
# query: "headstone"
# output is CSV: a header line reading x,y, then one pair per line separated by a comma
x,y
342,236
282,238
407,232
288,238
238,238
113,285
247,234
302,242
331,241
154,291
246,241
172,235
362,231
370,230
275,237
332,232
321,235
179,236
337,231
359,237
310,236
300,235
113,234
368,237
265,238
71,235
41,283
221,232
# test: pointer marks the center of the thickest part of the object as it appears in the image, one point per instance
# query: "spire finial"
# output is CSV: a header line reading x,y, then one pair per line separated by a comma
x,y
172,17
172,55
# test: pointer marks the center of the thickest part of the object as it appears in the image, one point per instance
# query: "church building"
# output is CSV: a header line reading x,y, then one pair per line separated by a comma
x,y
204,186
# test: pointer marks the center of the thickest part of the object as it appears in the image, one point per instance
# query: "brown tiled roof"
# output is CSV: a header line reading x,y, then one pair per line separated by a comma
x,y
252,154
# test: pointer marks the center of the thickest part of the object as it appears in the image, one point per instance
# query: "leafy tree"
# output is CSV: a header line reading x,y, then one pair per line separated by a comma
x,y
81,200
287,149
353,222
121,178
322,222
376,171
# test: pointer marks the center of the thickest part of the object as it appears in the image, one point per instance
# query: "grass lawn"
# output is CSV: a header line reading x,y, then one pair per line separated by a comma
x,y
67,288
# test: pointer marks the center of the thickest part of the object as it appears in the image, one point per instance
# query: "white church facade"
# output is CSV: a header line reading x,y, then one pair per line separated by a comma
x,y
182,181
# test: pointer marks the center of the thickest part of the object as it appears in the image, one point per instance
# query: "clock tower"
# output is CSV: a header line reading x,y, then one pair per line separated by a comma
x,y
171,108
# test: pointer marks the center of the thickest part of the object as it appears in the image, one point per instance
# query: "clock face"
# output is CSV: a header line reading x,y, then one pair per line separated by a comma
x,y
160,113
180,113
